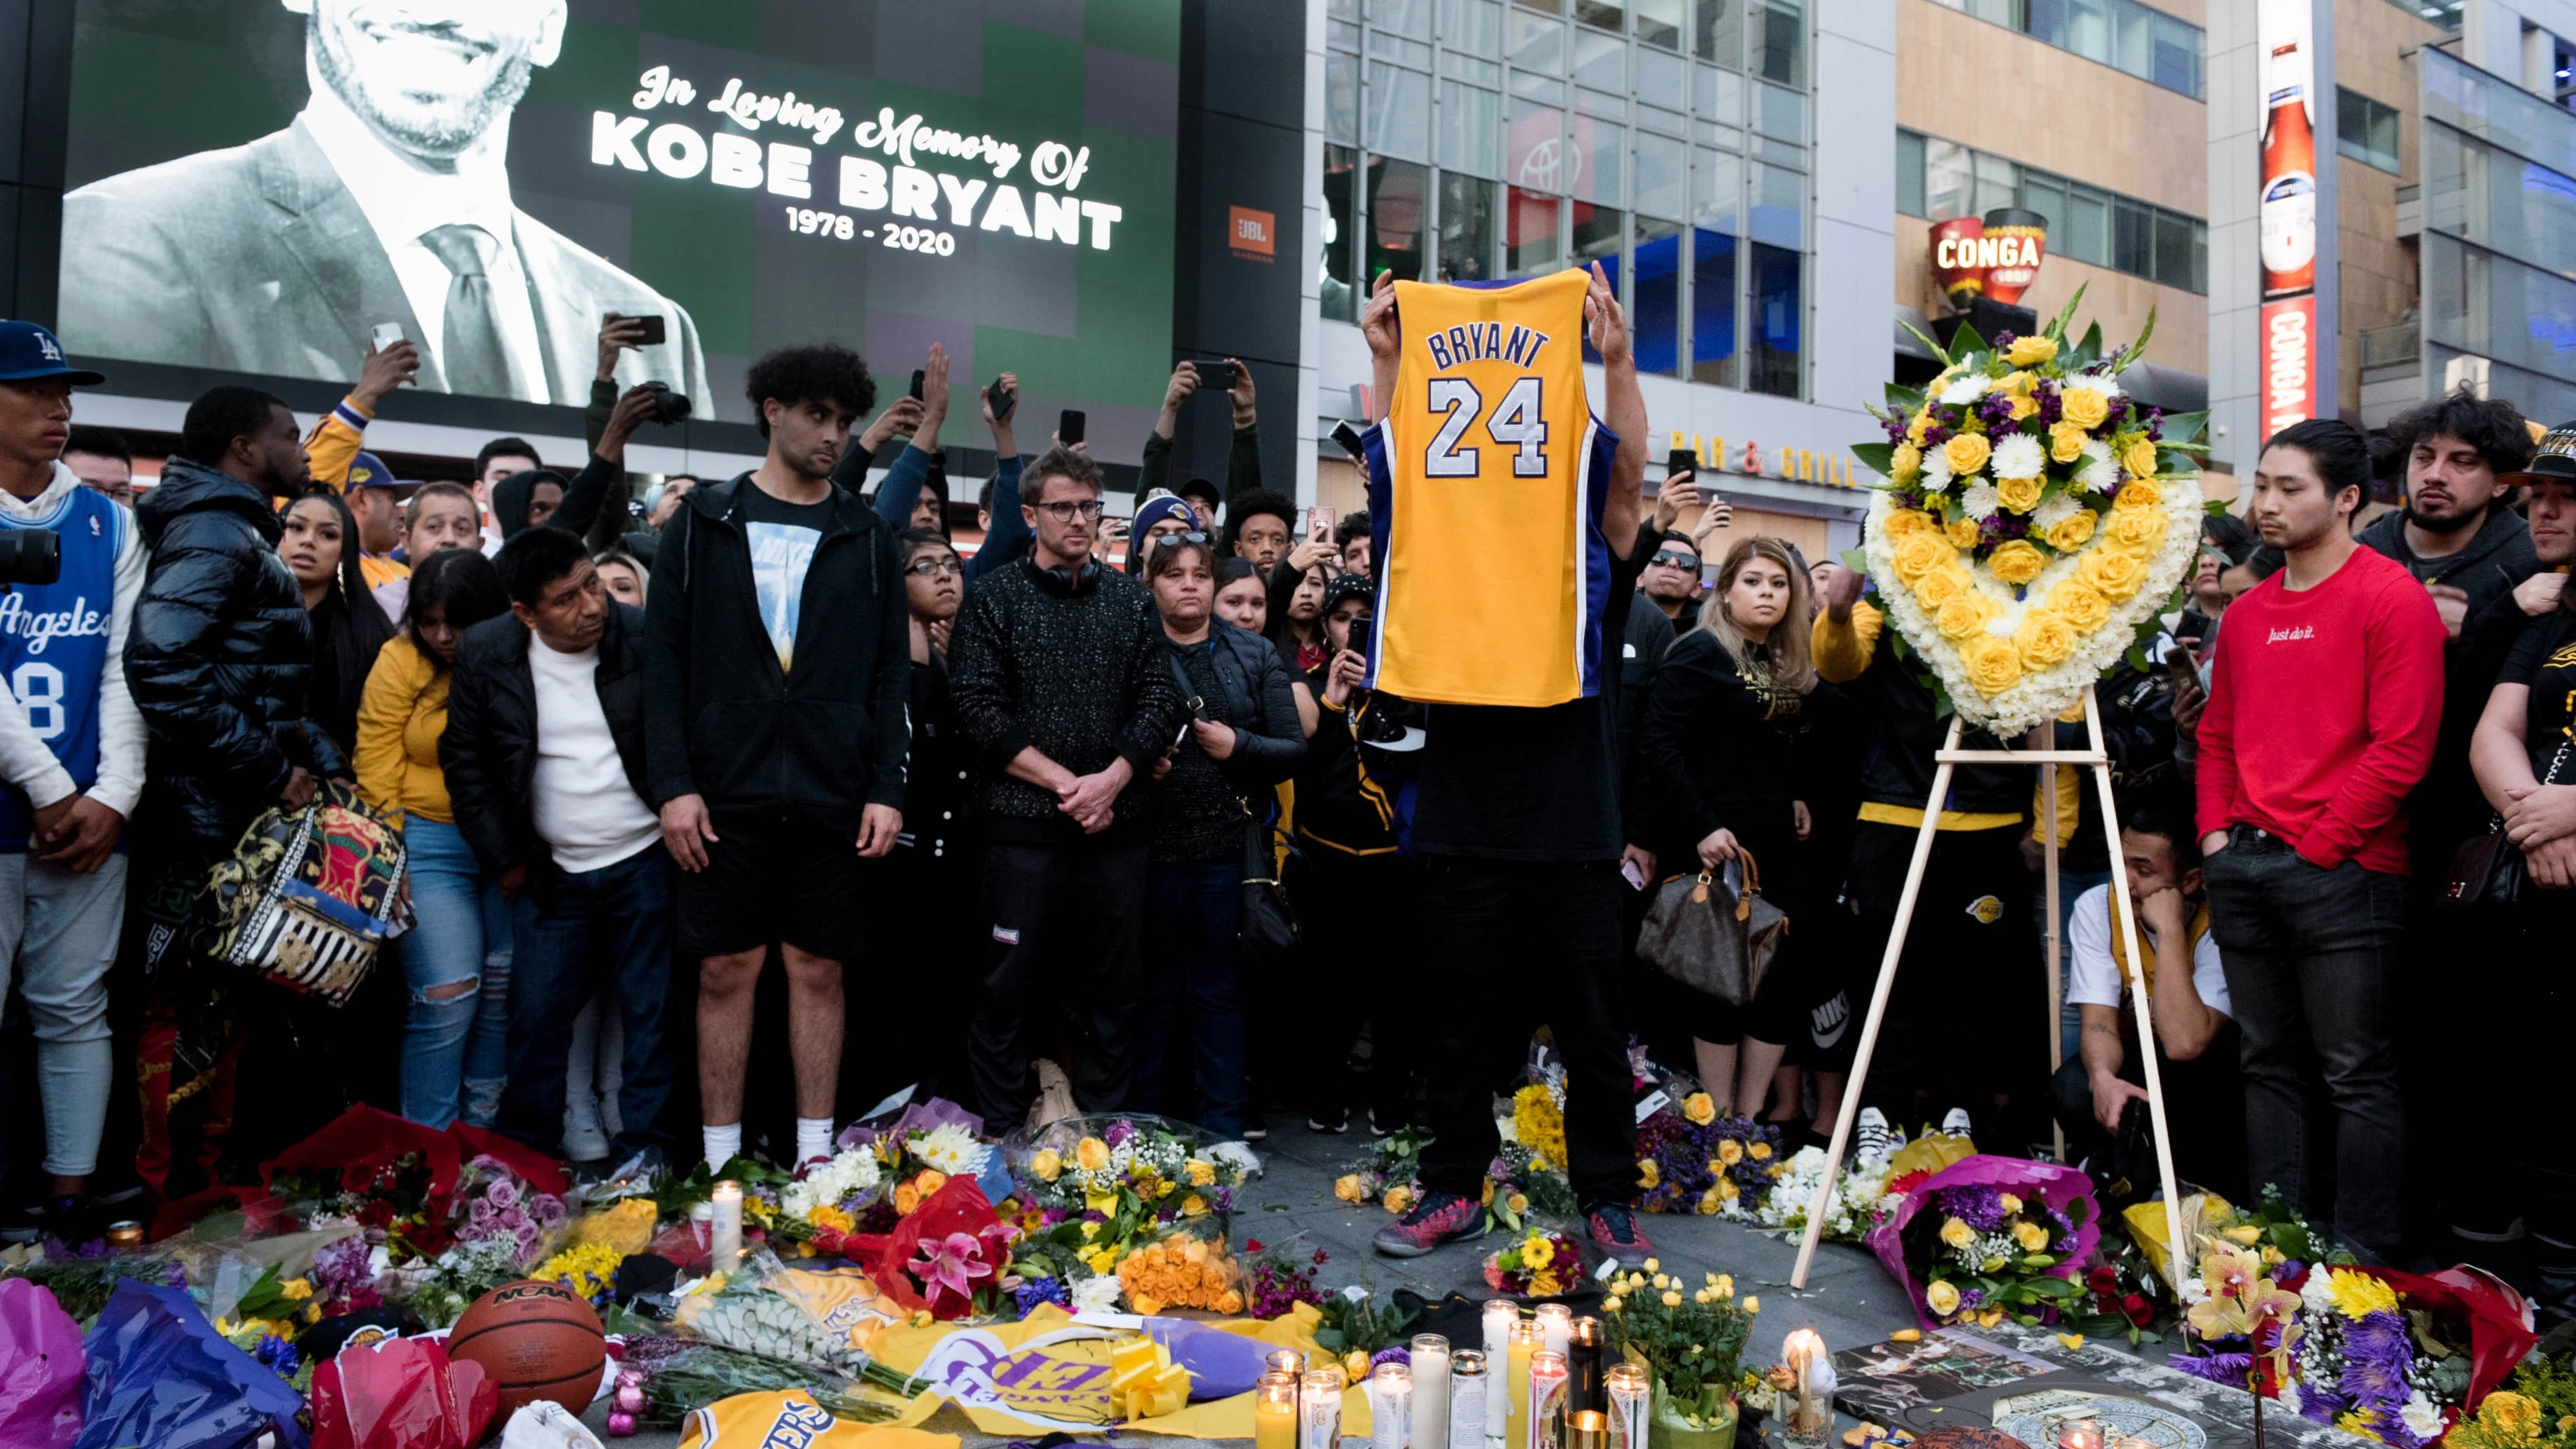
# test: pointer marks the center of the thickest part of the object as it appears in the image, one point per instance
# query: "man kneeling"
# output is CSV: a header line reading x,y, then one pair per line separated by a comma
x,y
2101,1097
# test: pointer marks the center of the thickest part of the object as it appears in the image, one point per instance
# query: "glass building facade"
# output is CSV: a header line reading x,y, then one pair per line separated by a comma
x,y
2499,238
1668,140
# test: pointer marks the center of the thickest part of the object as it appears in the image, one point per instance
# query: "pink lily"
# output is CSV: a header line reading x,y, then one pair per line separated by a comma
x,y
952,1263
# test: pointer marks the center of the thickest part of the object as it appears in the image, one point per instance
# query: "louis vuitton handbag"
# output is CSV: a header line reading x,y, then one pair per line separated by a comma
x,y
1714,932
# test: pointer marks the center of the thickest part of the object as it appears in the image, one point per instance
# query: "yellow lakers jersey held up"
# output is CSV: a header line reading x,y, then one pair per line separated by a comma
x,y
1486,483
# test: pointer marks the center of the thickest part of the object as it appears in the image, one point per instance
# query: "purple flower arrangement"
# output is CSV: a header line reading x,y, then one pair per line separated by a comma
x,y
498,1206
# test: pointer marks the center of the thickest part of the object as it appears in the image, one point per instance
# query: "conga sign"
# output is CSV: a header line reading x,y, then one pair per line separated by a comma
x,y
1954,259
2023,240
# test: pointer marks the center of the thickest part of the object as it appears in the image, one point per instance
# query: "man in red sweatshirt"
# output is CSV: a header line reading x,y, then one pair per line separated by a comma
x,y
2325,698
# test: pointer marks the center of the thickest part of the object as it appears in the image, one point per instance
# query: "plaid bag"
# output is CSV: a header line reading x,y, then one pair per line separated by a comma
x,y
308,896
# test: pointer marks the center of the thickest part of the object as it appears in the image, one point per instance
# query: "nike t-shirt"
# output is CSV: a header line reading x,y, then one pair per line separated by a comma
x,y
782,536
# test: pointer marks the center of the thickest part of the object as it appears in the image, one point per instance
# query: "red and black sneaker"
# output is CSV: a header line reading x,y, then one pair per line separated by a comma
x,y
1614,1231
1441,1217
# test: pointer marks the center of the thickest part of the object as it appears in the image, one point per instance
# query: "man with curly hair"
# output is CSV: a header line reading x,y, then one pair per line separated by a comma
x,y
779,752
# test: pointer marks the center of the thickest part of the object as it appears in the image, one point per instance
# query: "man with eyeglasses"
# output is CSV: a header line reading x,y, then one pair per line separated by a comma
x,y
1065,698
779,730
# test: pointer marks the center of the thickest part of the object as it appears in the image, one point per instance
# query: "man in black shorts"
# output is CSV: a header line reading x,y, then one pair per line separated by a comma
x,y
779,645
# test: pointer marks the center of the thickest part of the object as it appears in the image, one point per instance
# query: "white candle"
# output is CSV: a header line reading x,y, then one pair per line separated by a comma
x,y
1431,1391
1470,1389
1556,1321
1500,1315
1390,1405
726,1245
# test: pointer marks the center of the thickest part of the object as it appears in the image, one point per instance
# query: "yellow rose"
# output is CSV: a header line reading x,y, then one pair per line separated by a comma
x,y
1399,1199
1905,462
1046,1165
1699,1108
2016,563
1091,1154
1612,1304
1941,586
1957,1233
2140,459
1904,521
1752,1305
2073,531
906,1198
2009,1203
1966,453
1672,1300
1730,1151
2022,406
1648,1174
2066,441
1961,533
1708,1204
1760,1151
1516,1204
1963,616
1662,1282
1202,1172
1914,429
1195,1206
1727,1189
2044,640
1993,664
2138,530
2080,605
296,1289
2031,351
1355,1365
2019,495
1347,1187
2510,1416
1919,554
2140,495
1942,1296
2084,407
2117,575
2032,1237
930,1181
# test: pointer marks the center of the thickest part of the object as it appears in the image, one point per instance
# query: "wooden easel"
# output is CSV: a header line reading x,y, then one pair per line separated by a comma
x,y
1946,760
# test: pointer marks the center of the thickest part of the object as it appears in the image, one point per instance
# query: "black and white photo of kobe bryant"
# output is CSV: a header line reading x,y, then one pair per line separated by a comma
x,y
387,199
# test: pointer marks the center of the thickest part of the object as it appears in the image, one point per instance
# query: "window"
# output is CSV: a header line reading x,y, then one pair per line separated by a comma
x,y
1717,31
1940,180
1470,248
1661,176
1659,22
1654,321
1777,42
1530,242
1600,150
1341,231
1659,79
2365,130
1949,180
2133,237
1342,99
2123,34
1472,26
1778,318
1395,196
1909,174
1471,129
1600,61
1398,106
1599,235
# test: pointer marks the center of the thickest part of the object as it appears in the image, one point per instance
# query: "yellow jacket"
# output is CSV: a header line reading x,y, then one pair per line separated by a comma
x,y
400,718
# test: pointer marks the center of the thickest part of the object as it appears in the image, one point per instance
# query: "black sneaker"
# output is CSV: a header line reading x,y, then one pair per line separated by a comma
x,y
1378,1127
1254,1129
1441,1217
1331,1120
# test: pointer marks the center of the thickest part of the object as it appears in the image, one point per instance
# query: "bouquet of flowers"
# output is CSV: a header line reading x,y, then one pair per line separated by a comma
x,y
1690,1337
929,1143
1859,1200
1991,1237
2538,1412
2034,521
2389,1355
1275,1283
499,1226
1182,1270
1542,1264
1103,1185
1388,1172
1691,1160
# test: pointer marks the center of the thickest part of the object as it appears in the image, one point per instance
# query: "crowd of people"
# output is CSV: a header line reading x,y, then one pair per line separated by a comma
x,y
749,801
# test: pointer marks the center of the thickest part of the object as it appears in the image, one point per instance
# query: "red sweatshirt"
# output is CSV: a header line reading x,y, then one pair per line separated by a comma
x,y
2323,706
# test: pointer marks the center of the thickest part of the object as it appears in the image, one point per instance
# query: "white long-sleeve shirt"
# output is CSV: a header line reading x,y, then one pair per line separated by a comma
x,y
26,761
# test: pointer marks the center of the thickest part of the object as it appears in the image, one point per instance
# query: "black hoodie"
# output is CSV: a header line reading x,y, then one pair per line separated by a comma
x,y
726,722
219,657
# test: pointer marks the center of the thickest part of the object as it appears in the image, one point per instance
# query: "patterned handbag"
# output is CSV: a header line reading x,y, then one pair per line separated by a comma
x,y
308,896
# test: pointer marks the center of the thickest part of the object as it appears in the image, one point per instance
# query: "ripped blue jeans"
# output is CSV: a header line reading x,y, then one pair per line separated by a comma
x,y
456,963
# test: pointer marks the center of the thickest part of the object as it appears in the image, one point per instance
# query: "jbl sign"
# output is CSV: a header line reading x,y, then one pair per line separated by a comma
x,y
1251,234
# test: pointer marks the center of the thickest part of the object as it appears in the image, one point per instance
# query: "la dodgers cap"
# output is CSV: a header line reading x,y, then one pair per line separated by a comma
x,y
29,353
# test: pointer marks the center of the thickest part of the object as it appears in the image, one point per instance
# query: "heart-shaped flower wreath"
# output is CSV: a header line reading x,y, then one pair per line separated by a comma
x,y
2034,522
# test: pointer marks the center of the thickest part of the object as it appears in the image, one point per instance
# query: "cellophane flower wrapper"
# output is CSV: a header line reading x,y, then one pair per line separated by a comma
x,y
948,1257
935,1135
744,1312
1093,1187
2065,1191
40,1369
683,1374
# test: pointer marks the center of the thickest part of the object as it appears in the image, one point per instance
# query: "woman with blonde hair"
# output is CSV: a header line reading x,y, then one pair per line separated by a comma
x,y
1719,747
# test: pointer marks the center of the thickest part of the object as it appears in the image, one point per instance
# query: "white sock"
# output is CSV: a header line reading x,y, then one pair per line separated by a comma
x,y
813,1138
724,1144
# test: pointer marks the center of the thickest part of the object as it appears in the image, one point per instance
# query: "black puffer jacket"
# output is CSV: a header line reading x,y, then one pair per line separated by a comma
x,y
1269,738
219,657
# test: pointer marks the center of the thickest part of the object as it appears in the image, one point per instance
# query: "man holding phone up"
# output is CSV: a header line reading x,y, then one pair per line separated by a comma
x,y
1243,457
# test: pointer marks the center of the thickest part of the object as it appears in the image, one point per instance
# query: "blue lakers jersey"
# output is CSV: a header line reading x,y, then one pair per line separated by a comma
x,y
1486,482
53,643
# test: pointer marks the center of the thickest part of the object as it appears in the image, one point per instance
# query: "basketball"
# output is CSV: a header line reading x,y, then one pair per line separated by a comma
x,y
534,1341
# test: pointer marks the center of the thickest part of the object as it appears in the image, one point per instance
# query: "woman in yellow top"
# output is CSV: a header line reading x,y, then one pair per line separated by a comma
x,y
456,957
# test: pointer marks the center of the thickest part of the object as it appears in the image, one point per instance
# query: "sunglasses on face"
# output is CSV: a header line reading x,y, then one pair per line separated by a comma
x,y
1065,510
1160,539
931,567
1676,560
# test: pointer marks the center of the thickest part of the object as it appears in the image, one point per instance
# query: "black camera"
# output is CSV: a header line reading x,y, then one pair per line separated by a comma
x,y
30,555
668,406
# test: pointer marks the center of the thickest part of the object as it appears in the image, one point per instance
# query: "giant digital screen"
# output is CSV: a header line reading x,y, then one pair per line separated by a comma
x,y
259,186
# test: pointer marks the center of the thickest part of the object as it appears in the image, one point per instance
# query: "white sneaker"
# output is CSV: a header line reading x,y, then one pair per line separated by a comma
x,y
1955,1122
583,1141
1870,1137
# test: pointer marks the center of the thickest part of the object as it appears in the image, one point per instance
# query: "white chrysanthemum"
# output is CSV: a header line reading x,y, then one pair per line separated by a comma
x,y
2054,512
2107,384
2099,473
1978,502
1095,1295
848,1173
1935,475
2292,1402
950,1148
2019,456
1966,390
2423,1418
2317,1294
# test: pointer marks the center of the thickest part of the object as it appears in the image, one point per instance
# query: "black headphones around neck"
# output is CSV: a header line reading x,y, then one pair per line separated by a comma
x,y
1063,582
